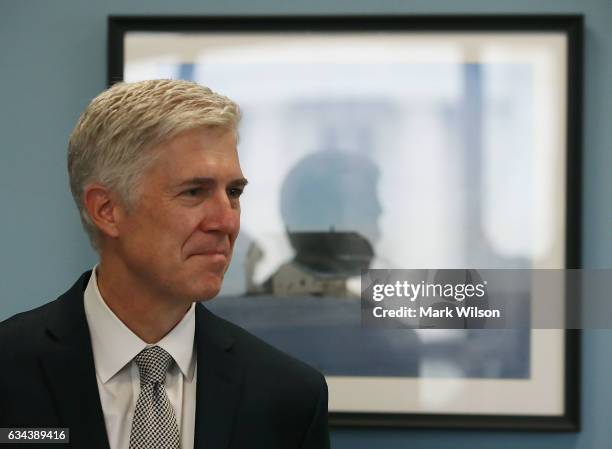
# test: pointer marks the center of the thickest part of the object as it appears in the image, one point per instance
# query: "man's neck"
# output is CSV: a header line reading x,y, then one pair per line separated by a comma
x,y
148,316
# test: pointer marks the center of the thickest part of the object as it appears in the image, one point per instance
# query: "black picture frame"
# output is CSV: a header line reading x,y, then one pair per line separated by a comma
x,y
569,26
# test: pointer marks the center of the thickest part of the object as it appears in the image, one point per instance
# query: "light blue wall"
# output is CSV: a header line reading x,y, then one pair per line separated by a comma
x,y
53,60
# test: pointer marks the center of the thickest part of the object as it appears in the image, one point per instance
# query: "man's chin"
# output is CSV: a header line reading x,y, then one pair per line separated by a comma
x,y
209,290
201,284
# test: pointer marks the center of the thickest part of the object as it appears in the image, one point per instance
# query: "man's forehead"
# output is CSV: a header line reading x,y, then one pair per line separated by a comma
x,y
191,156
200,138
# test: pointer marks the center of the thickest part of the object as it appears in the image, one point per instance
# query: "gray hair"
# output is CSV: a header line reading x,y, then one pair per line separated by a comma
x,y
112,139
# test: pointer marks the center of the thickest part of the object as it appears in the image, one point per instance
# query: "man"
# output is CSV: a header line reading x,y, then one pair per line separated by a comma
x,y
127,357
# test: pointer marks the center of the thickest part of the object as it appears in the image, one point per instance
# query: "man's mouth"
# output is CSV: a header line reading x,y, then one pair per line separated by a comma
x,y
214,255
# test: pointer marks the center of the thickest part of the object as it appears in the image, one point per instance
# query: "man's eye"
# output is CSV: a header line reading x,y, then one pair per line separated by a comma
x,y
235,192
193,192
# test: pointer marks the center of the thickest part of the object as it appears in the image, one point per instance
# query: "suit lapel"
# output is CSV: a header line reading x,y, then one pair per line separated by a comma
x,y
219,382
69,367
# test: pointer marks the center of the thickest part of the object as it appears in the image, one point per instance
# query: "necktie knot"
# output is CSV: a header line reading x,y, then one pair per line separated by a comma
x,y
153,363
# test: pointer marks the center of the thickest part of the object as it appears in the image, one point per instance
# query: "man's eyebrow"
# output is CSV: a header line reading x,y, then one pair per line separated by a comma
x,y
239,182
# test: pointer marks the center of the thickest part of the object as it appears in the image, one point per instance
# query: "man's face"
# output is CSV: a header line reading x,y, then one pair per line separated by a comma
x,y
178,238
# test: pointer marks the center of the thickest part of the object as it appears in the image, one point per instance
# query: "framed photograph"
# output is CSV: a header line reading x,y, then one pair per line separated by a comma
x,y
393,143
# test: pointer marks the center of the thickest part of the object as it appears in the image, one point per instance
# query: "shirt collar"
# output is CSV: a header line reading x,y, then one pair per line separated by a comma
x,y
114,345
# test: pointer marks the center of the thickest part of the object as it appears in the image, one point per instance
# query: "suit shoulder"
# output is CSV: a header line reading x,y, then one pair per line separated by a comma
x,y
67,308
21,325
263,357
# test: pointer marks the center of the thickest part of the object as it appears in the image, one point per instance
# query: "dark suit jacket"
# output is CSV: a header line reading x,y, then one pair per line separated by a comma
x,y
249,395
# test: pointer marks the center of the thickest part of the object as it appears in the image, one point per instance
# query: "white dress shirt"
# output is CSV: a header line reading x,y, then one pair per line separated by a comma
x,y
114,348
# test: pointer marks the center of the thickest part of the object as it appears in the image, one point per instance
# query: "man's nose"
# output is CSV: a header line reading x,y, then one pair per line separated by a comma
x,y
221,213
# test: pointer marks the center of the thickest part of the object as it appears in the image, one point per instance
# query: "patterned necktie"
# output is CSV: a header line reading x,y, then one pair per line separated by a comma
x,y
154,424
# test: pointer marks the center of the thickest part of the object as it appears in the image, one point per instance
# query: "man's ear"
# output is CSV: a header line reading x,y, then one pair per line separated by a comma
x,y
103,208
